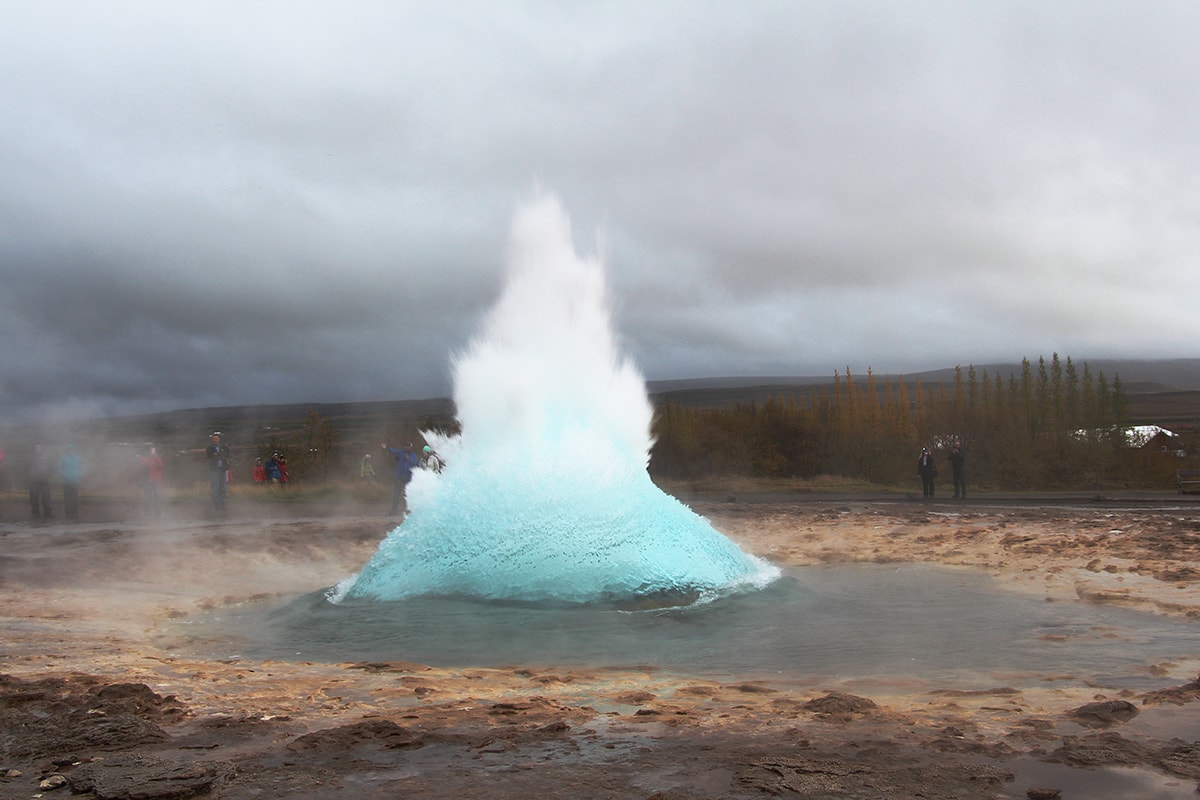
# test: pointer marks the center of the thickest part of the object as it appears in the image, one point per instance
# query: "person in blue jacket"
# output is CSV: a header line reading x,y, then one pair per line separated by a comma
x,y
70,470
406,461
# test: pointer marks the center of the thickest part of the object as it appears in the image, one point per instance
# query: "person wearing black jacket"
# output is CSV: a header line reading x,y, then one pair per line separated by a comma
x,y
958,466
927,469
218,469
40,472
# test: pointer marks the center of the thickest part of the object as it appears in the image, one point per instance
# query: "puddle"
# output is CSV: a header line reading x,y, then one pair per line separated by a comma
x,y
927,623
1102,783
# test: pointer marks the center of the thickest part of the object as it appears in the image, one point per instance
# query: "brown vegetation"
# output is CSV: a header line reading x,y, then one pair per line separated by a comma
x,y
1051,426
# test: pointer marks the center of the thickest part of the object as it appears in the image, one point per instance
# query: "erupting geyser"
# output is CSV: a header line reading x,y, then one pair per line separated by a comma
x,y
546,496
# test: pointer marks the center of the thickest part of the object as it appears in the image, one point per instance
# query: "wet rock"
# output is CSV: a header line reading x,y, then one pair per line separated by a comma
x,y
57,715
496,746
135,698
1043,794
1032,731
1182,760
55,781
823,778
61,694
998,691
807,777
754,688
1104,714
1103,749
389,666
217,730
633,698
971,746
381,732
147,778
840,703
1179,575
57,733
1177,695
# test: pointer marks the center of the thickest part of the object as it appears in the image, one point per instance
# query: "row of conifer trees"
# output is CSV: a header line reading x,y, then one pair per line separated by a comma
x,y
1052,425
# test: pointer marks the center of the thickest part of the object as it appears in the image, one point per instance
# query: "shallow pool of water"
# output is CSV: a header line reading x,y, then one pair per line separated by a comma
x,y
846,622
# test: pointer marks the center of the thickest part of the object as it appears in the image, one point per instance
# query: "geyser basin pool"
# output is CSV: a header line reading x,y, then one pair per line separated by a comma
x,y
546,495
929,623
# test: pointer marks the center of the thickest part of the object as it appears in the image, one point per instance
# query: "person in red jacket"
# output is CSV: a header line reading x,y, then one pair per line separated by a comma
x,y
152,481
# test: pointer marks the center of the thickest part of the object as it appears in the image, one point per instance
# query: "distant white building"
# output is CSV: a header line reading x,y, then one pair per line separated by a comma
x,y
1144,437
1152,437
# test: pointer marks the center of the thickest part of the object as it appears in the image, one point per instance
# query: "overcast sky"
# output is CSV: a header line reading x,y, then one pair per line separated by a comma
x,y
217,203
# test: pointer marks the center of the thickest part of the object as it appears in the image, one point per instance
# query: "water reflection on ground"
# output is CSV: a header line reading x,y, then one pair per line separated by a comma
x,y
848,622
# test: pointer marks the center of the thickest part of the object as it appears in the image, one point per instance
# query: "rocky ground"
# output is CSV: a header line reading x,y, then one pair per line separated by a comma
x,y
95,702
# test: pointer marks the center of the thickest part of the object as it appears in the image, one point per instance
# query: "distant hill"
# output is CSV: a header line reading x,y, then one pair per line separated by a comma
x,y
1144,375
1164,392
1137,376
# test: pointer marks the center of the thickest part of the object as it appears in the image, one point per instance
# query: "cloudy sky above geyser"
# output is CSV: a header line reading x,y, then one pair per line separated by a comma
x,y
245,202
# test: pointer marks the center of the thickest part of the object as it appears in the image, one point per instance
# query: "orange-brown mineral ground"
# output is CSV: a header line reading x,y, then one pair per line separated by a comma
x,y
95,702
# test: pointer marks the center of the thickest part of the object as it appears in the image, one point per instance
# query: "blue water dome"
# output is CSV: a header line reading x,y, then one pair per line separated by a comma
x,y
546,496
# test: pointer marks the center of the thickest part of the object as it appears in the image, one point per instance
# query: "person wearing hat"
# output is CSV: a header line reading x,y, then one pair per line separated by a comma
x,y
218,469
284,475
272,469
927,469
431,460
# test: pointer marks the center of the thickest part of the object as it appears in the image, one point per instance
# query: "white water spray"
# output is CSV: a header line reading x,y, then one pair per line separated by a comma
x,y
546,496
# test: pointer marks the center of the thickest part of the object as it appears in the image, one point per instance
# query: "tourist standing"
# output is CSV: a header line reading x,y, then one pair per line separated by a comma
x,y
39,483
272,468
958,466
70,471
406,460
218,469
430,460
152,481
927,469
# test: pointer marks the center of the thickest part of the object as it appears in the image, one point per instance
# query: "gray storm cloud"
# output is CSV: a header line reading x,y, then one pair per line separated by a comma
x,y
267,202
